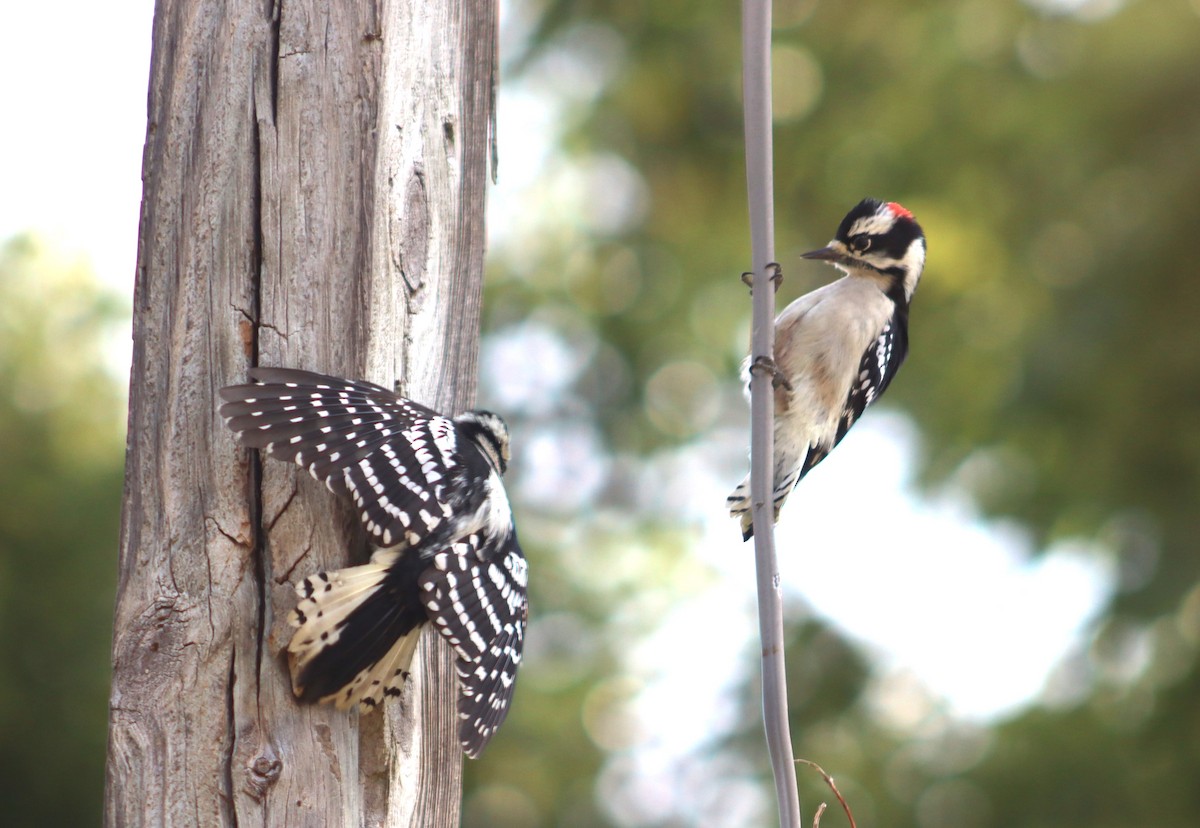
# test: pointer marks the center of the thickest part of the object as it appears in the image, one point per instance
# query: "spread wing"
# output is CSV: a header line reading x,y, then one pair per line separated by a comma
x,y
390,455
475,595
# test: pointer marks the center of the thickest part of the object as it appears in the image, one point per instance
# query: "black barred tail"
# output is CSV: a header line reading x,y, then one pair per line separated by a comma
x,y
357,630
738,503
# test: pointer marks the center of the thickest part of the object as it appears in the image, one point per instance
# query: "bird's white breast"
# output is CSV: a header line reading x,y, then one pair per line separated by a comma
x,y
820,341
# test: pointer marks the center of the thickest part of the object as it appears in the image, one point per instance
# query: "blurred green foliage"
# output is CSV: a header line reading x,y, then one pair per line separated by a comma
x,y
1049,148
61,464
1050,157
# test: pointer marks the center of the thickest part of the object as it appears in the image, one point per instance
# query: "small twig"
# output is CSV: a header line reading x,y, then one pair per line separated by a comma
x,y
817,818
833,787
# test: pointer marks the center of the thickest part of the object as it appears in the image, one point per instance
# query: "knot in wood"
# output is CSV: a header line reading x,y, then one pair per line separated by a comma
x,y
262,772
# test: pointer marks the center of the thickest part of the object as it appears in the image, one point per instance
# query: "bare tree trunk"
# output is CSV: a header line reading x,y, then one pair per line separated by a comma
x,y
314,192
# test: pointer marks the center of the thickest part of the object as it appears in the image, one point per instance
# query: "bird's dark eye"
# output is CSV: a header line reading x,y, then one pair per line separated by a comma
x,y
860,244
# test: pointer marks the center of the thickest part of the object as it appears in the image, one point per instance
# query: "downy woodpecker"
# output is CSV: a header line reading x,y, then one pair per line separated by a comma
x,y
428,490
838,347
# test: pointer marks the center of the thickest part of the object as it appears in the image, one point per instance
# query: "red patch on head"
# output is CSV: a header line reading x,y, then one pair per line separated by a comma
x,y
899,210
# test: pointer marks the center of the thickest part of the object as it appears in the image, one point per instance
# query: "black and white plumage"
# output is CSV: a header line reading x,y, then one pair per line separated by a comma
x,y
838,347
428,490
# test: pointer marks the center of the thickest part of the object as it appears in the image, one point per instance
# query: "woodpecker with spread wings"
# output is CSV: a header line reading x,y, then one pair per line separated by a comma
x,y
430,495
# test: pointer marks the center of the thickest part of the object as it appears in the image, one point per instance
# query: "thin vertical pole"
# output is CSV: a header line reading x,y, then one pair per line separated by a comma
x,y
756,88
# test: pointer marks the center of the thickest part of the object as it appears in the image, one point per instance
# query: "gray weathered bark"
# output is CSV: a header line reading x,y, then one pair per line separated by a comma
x,y
314,193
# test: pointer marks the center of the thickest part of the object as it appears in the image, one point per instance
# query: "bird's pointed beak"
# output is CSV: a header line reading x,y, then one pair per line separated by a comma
x,y
825,254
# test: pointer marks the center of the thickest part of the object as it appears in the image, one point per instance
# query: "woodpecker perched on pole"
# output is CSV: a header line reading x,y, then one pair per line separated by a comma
x,y
838,347
428,490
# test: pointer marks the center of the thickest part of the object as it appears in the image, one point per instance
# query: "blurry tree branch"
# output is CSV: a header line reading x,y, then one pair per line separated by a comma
x,y
833,787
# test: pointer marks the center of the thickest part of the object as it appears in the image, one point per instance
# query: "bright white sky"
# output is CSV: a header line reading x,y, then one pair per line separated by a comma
x,y
934,592
74,77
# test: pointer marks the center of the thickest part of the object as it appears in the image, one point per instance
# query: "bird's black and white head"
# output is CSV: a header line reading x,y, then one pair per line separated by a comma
x,y
490,433
878,237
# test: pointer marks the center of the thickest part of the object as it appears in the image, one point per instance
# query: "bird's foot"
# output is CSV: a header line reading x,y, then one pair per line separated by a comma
x,y
766,365
774,273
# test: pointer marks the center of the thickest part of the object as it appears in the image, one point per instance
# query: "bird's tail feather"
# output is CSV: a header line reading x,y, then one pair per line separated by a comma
x,y
355,633
738,503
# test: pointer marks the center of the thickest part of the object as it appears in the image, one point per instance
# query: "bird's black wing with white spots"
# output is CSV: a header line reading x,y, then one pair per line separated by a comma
x,y
879,364
475,595
392,456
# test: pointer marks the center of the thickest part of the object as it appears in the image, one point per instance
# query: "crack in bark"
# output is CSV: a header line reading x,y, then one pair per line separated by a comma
x,y
259,553
235,540
274,65
286,577
208,593
227,799
280,333
282,509
260,581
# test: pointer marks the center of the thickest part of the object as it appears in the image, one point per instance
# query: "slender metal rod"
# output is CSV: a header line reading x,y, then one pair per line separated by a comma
x,y
756,89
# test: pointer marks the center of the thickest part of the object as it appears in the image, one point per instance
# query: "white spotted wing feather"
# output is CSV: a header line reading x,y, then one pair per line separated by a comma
x,y
475,596
390,455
